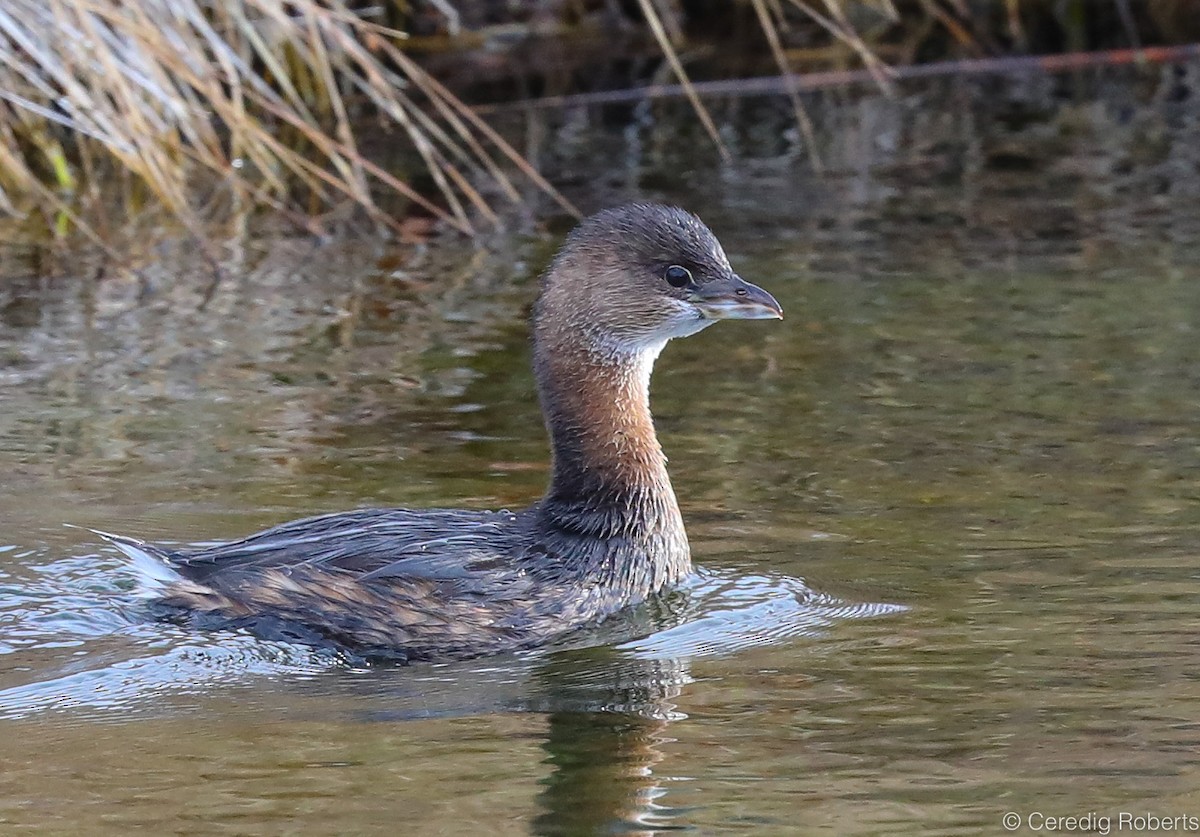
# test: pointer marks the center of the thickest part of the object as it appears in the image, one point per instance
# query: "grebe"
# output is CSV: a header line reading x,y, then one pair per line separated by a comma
x,y
438,584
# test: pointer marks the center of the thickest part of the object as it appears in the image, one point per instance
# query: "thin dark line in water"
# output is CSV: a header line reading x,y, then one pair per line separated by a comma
x,y
1036,546
810,82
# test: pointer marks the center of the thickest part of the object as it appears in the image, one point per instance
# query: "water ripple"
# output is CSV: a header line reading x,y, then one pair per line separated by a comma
x,y
76,641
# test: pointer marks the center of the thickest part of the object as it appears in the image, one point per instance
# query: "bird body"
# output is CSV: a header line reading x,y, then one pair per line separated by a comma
x,y
439,583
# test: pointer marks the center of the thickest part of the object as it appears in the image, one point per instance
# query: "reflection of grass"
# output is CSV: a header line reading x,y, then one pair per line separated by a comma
x,y
233,103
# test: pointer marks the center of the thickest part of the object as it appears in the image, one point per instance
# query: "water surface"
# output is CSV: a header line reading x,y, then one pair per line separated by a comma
x,y
982,407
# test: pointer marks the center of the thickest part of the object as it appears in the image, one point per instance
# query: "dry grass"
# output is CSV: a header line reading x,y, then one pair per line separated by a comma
x,y
861,31
201,107
233,103
771,18
659,27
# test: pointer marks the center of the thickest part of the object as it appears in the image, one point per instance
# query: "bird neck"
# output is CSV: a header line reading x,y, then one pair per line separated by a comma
x,y
609,475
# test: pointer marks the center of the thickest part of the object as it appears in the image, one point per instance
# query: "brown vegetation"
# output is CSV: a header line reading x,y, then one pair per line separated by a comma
x,y
207,107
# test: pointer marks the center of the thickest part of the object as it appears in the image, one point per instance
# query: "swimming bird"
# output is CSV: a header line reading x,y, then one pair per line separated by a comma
x,y
425,584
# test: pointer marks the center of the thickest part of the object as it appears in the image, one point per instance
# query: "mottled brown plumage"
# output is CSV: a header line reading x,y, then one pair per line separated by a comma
x,y
433,584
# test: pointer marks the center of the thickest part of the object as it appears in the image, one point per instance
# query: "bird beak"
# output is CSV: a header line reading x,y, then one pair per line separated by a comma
x,y
735,299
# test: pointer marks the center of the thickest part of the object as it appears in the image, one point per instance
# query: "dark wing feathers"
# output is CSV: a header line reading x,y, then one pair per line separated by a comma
x,y
441,544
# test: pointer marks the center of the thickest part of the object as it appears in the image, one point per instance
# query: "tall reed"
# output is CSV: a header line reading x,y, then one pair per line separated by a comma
x,y
209,104
241,101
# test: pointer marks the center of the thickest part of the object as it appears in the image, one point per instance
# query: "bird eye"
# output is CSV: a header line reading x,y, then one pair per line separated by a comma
x,y
677,276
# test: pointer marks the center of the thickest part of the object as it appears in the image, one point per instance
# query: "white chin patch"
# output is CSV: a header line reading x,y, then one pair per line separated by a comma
x,y
683,327
686,321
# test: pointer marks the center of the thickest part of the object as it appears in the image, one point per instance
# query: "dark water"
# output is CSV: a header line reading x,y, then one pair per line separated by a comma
x,y
983,406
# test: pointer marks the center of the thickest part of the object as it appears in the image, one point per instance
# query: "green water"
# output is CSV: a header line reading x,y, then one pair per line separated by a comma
x,y
983,406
